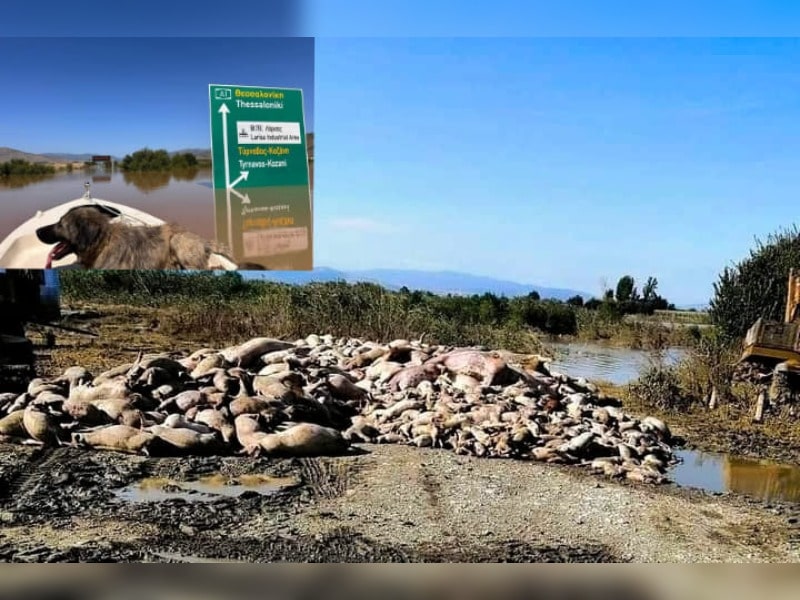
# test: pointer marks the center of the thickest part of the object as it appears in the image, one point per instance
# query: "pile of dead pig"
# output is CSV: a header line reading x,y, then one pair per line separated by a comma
x,y
319,395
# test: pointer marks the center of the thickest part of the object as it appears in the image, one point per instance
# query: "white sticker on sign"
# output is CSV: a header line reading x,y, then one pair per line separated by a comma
x,y
268,132
269,242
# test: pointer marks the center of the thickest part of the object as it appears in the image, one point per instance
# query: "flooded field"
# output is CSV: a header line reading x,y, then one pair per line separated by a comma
x,y
275,233
607,363
186,198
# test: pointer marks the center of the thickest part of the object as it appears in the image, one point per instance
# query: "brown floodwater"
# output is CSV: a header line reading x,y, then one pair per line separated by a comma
x,y
185,198
268,227
602,362
716,472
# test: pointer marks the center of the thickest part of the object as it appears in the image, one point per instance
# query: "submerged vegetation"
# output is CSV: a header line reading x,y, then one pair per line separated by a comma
x,y
158,160
18,166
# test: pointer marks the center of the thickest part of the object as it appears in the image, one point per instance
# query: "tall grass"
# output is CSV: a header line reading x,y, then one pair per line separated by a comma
x,y
638,334
205,306
709,364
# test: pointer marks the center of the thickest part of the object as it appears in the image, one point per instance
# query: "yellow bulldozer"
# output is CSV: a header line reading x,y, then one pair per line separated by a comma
x,y
772,343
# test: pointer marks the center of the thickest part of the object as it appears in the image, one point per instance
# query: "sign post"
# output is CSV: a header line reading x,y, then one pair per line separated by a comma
x,y
261,175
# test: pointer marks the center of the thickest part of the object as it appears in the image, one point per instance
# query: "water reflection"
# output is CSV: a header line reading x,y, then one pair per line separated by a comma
x,y
147,181
269,227
188,174
21,181
597,361
174,199
715,472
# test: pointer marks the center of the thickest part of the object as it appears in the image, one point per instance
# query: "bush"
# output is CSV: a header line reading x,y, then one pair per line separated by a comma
x,y
710,362
147,160
659,386
150,288
186,160
756,287
18,166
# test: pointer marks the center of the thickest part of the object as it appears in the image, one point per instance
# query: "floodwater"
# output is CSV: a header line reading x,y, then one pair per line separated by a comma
x,y
273,229
205,489
601,362
712,472
184,197
721,473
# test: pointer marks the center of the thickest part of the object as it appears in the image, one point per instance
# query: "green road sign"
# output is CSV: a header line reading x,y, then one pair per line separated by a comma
x,y
261,174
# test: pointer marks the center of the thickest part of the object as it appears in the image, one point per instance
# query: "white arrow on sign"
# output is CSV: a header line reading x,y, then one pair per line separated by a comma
x,y
242,175
245,199
223,110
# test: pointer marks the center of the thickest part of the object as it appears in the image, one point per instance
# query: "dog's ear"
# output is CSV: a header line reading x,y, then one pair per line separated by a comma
x,y
82,229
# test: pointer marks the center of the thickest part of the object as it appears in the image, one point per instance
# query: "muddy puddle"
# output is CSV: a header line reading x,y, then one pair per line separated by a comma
x,y
721,473
204,489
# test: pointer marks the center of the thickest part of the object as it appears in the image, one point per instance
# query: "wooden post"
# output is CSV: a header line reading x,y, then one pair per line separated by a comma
x,y
792,296
712,402
762,399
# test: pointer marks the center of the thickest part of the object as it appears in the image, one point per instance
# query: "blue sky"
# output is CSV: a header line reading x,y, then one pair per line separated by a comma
x,y
116,95
404,18
517,158
558,162
550,18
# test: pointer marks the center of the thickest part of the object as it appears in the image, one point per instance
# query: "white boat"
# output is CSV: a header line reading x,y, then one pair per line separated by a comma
x,y
22,249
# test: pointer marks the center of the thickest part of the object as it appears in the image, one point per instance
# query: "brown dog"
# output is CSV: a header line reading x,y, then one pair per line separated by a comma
x,y
89,233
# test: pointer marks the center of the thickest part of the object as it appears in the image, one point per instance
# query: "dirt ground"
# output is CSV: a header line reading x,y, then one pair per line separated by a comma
x,y
379,504
384,504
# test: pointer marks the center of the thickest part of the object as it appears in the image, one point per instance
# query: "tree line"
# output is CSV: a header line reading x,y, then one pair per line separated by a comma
x,y
18,166
158,160
626,299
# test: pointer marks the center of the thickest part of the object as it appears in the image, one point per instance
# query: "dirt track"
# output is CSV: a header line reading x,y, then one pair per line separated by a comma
x,y
386,504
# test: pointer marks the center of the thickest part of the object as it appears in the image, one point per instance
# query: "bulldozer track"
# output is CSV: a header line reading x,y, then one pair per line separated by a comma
x,y
794,529
325,478
35,471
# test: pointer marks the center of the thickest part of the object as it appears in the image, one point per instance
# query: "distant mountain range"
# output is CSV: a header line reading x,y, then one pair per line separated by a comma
x,y
7,154
438,282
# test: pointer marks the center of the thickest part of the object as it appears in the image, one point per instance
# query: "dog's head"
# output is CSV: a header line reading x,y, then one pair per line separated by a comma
x,y
77,231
